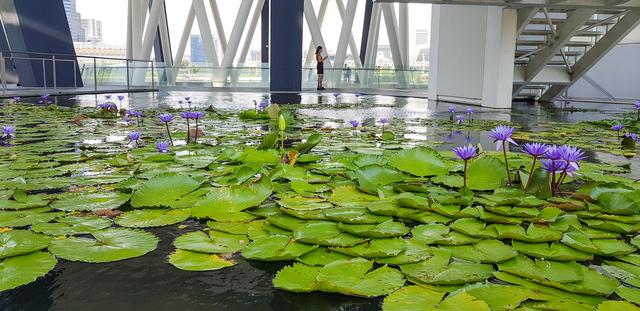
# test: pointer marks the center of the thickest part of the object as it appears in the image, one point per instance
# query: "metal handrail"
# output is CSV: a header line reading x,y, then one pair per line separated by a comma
x,y
2,52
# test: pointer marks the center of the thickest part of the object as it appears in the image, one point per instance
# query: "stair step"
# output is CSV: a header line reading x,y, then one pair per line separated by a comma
x,y
567,53
525,61
538,43
560,20
545,32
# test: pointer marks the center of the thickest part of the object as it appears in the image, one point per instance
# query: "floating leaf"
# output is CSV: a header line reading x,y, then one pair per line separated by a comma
x,y
105,246
193,261
275,248
163,190
215,242
441,270
74,202
20,270
412,298
149,218
232,199
21,242
419,161
27,217
325,233
485,173
72,225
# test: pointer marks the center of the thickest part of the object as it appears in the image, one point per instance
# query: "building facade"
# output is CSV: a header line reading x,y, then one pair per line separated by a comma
x,y
75,23
92,30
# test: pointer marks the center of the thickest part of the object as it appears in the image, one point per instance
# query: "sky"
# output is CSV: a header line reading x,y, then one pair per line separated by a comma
x,y
112,13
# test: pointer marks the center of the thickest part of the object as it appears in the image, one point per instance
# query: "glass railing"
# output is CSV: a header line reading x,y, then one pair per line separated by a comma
x,y
115,74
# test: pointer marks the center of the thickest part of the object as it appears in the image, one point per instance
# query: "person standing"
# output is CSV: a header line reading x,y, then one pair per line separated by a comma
x,y
320,66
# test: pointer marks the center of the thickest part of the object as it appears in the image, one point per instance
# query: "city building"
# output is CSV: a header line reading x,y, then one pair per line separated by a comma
x,y
422,36
75,21
197,50
92,30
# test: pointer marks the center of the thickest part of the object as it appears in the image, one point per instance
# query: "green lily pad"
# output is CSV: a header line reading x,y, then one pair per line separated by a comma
x,y
552,251
89,202
612,305
354,215
149,218
193,261
412,298
304,203
215,242
28,217
21,242
72,225
441,270
376,248
419,161
440,234
485,173
533,233
463,301
372,177
349,196
348,277
603,247
387,229
485,251
20,270
106,245
232,199
322,256
325,233
275,248
414,251
163,190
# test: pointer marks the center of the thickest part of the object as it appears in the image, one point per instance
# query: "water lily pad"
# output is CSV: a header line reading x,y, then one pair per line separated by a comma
x,y
349,277
321,256
414,251
485,251
441,270
28,217
376,248
325,233
163,190
349,196
233,199
275,248
486,173
603,247
412,298
304,203
440,234
214,242
105,246
149,218
463,301
24,269
354,215
72,225
372,177
553,251
533,233
193,261
89,202
387,229
419,161
612,305
21,242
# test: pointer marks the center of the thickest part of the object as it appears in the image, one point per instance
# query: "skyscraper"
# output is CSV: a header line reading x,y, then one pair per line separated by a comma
x,y
77,34
92,30
197,50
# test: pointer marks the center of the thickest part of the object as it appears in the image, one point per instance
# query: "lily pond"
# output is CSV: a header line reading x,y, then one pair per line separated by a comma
x,y
178,201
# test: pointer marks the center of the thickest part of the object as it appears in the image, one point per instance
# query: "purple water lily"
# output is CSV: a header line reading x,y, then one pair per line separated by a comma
x,y
553,153
637,105
469,113
44,99
501,135
561,162
135,114
134,137
8,132
17,99
166,118
336,95
384,121
263,105
536,150
121,97
108,107
633,136
197,115
465,153
354,123
162,146
452,109
107,97
617,128
459,119
572,155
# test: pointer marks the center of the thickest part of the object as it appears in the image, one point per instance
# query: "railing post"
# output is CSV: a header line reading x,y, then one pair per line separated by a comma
x,y
153,82
55,79
4,75
75,75
44,74
95,75
128,79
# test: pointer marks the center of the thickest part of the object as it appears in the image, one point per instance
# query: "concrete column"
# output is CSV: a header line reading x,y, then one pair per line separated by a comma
x,y
286,45
472,55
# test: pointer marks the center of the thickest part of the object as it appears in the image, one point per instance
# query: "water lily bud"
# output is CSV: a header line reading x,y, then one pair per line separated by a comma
x,y
282,123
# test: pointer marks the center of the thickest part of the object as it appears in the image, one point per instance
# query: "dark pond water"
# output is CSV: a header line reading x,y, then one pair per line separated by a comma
x,y
151,283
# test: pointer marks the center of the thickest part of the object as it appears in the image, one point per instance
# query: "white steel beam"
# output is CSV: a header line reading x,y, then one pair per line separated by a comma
x,y
389,20
219,28
236,33
524,18
618,32
565,32
151,30
182,46
403,32
164,36
205,33
345,34
352,42
372,40
312,48
252,28
130,29
314,28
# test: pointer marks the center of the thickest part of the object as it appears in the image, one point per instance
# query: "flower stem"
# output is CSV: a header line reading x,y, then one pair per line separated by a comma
x,y
464,190
553,179
188,132
166,124
195,139
533,167
506,163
